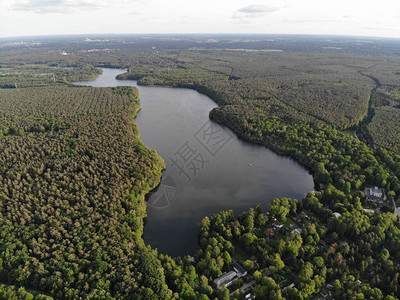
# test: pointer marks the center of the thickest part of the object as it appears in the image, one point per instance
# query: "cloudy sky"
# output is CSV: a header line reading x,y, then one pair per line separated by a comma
x,y
340,17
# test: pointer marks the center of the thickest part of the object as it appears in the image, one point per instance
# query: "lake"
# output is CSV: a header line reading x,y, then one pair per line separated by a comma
x,y
208,168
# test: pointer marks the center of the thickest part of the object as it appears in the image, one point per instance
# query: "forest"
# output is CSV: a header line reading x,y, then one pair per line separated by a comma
x,y
74,175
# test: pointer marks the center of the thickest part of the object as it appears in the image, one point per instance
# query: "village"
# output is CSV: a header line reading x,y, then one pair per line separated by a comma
x,y
239,280
274,230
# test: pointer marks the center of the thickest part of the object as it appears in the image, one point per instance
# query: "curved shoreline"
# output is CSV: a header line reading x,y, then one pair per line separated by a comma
x,y
248,173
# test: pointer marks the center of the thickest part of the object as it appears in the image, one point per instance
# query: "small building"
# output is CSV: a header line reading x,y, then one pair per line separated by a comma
x,y
277,225
375,194
334,245
240,271
324,293
269,232
296,219
284,283
369,210
225,280
297,230
337,215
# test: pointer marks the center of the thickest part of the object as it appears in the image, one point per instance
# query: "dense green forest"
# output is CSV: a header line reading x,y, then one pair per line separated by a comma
x,y
380,128
74,175
315,89
11,292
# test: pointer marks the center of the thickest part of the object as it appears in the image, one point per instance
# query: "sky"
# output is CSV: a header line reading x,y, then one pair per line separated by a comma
x,y
339,17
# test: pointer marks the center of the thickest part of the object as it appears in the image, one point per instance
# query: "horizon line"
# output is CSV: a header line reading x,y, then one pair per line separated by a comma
x,y
196,34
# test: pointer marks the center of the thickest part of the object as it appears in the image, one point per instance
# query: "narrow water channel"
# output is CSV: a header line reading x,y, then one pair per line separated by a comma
x,y
208,168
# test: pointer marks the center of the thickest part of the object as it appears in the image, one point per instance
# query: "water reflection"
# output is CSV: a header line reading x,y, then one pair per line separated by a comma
x,y
225,172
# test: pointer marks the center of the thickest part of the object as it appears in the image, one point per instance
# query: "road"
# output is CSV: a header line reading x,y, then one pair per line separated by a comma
x,y
355,135
396,209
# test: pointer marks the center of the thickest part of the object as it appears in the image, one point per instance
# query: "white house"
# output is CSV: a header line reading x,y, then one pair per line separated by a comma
x,y
225,280
376,192
337,215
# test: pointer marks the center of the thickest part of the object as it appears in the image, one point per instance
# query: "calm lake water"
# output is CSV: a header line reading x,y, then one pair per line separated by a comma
x,y
208,168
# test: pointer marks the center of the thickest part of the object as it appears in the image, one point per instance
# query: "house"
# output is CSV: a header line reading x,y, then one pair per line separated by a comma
x,y
277,225
225,280
296,219
375,194
297,230
269,232
240,271
228,278
337,215
284,283
324,293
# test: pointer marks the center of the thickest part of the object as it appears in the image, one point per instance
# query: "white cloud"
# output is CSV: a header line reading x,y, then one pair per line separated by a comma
x,y
60,6
32,17
258,8
255,11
